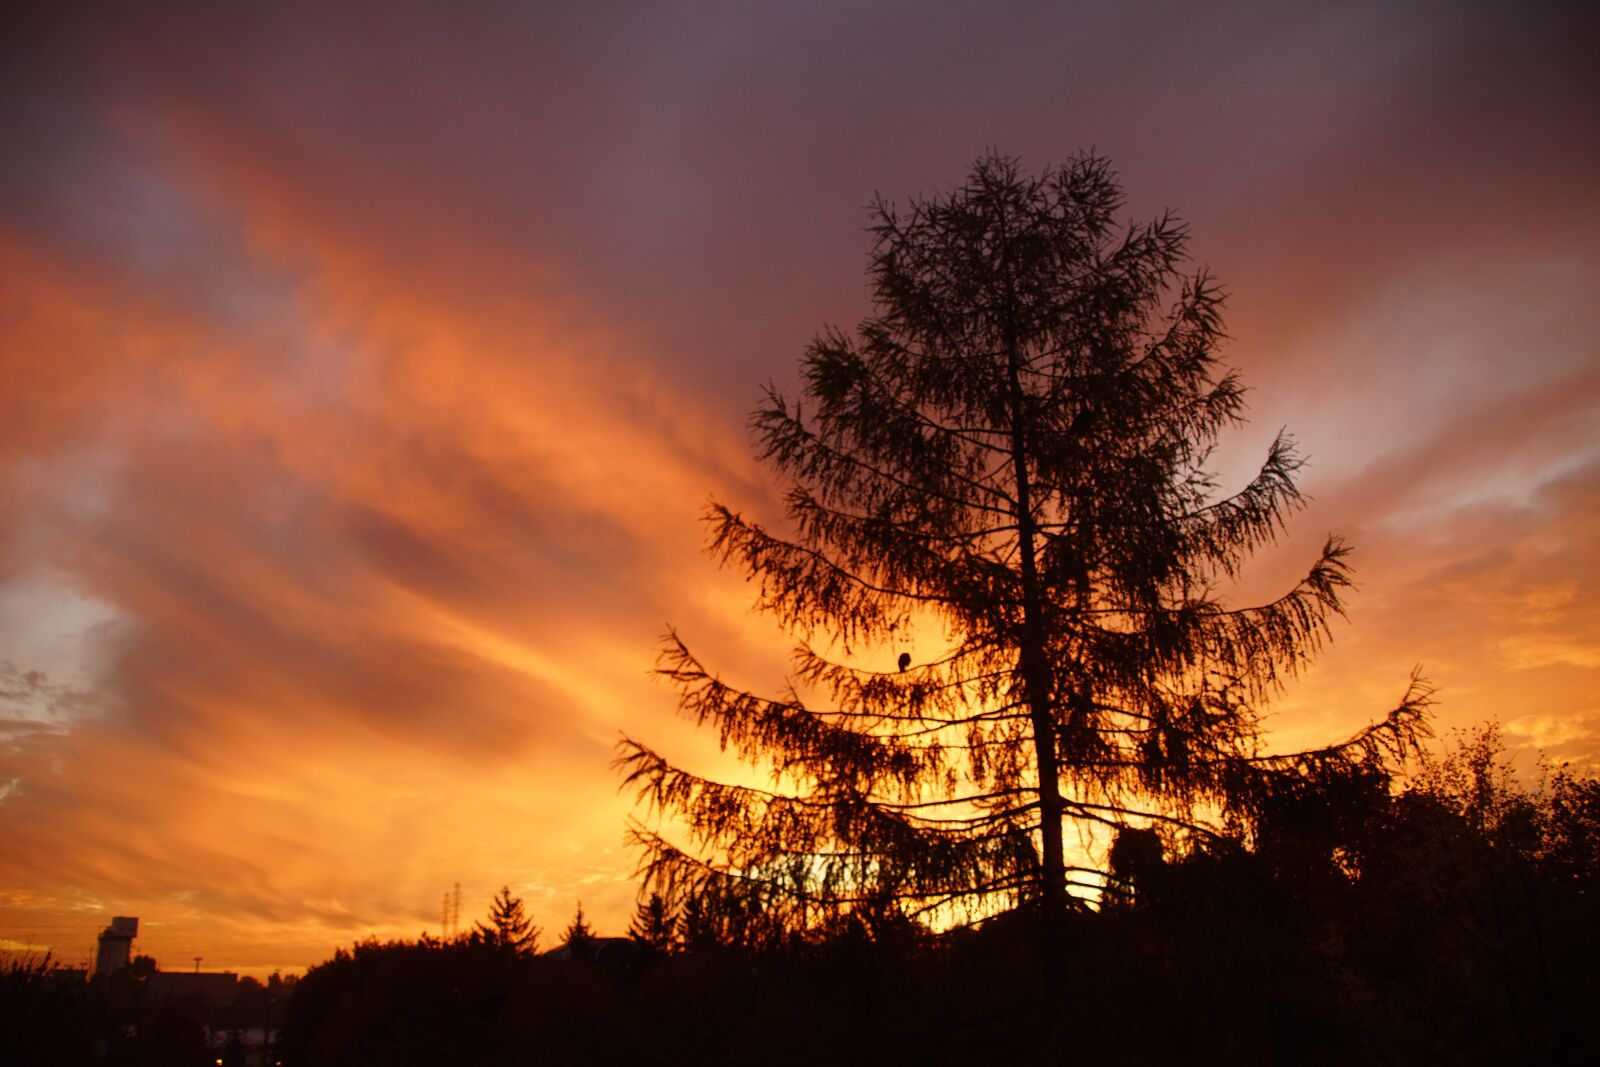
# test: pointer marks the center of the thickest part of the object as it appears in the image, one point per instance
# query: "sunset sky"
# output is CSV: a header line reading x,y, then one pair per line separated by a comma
x,y
363,377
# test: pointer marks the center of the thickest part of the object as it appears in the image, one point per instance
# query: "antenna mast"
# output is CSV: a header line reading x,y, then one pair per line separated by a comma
x,y
450,914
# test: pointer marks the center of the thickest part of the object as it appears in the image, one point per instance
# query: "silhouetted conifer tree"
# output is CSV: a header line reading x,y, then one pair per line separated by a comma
x,y
655,924
698,925
579,936
1013,447
509,925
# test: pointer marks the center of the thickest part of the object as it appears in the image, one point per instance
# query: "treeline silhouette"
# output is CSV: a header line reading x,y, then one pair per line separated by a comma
x,y
1454,920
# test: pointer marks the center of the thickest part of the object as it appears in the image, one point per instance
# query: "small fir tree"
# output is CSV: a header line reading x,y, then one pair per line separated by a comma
x,y
654,924
579,936
509,926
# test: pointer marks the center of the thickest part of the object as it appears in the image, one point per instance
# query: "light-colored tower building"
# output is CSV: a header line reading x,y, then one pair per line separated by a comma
x,y
116,945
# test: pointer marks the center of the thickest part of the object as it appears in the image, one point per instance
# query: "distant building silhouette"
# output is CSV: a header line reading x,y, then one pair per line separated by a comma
x,y
116,945
618,955
209,988
212,988
68,976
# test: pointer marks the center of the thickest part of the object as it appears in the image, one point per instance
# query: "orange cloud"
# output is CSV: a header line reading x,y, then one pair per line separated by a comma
x,y
357,563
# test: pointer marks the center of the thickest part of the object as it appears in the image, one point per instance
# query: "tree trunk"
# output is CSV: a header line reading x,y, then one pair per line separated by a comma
x,y
1035,669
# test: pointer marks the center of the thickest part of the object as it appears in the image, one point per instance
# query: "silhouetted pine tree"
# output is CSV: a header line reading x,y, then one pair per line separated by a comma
x,y
699,927
1013,447
654,924
509,925
579,936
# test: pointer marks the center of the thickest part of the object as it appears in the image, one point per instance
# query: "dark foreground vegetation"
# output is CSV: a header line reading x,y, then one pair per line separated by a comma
x,y
53,1017
1456,921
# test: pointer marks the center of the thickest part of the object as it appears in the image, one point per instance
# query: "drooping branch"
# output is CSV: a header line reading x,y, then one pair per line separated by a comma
x,y
794,740
970,683
847,843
